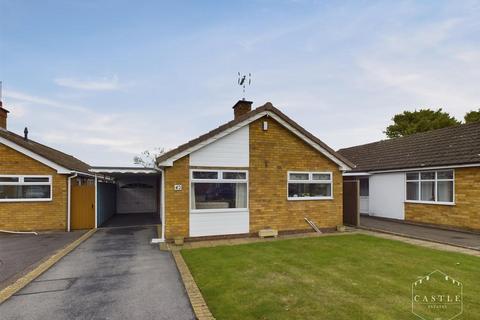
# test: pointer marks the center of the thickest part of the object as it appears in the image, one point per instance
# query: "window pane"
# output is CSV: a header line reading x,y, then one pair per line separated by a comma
x,y
445,191
412,190
205,175
8,179
427,175
364,187
36,179
445,174
235,175
298,176
412,176
219,195
302,190
427,191
321,176
25,192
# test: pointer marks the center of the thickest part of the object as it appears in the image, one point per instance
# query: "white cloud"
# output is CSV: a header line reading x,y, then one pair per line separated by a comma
x,y
104,84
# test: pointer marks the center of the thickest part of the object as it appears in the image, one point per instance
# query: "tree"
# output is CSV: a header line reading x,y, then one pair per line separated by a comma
x,y
422,120
148,158
472,116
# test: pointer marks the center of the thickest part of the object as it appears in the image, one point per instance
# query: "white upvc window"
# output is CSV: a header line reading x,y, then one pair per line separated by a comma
x,y
309,185
218,190
430,187
18,188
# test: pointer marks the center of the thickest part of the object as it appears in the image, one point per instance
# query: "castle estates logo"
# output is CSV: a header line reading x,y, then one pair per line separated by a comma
x,y
437,296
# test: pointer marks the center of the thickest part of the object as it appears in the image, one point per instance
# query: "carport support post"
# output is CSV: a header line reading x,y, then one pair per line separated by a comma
x,y
162,199
96,207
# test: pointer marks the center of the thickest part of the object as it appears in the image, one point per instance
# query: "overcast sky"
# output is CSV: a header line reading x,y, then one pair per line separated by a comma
x,y
104,80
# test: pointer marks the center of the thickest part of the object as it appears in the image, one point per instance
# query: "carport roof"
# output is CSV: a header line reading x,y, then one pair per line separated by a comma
x,y
129,170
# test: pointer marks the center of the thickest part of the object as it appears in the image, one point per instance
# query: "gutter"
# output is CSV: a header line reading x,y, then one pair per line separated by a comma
x,y
69,199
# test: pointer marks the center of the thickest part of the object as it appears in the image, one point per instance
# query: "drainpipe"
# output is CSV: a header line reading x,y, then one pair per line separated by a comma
x,y
69,200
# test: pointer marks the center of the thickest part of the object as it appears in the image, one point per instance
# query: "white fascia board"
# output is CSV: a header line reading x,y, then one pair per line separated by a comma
x,y
428,168
354,174
169,162
37,157
343,166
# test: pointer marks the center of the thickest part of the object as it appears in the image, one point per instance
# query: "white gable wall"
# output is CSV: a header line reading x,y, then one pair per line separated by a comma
x,y
387,195
231,150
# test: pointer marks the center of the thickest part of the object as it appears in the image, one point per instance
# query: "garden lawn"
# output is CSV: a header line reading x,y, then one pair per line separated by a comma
x,y
332,277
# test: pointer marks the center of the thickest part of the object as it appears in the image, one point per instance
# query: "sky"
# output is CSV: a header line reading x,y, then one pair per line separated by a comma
x,y
105,80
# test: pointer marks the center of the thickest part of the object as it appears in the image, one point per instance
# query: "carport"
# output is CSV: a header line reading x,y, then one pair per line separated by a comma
x,y
127,196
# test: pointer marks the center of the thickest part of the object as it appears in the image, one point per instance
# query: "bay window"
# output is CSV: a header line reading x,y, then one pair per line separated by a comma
x,y
218,190
25,188
309,185
430,186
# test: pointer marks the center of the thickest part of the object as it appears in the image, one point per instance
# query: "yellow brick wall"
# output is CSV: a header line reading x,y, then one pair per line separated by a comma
x,y
272,154
35,215
176,202
466,211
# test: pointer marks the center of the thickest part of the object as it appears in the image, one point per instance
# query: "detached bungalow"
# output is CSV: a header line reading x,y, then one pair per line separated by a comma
x,y
431,177
259,171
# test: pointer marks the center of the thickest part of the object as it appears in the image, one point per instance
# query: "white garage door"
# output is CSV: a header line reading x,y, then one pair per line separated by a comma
x,y
136,195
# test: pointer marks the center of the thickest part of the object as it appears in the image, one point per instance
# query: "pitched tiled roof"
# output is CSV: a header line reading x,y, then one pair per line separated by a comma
x,y
266,107
448,146
58,157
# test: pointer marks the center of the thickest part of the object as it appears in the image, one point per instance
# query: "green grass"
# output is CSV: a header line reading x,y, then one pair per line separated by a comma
x,y
337,277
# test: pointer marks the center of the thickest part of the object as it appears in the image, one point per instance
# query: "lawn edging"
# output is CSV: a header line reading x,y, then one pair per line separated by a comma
x,y
200,308
42,267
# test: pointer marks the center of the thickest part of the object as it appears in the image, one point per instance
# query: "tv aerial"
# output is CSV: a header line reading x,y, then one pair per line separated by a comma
x,y
243,81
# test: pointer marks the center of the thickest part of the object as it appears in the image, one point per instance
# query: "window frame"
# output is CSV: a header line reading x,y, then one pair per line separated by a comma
x,y
435,180
218,180
22,183
310,181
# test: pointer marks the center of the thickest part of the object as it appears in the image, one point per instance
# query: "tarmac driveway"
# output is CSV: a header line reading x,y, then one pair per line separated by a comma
x,y
456,238
20,253
116,274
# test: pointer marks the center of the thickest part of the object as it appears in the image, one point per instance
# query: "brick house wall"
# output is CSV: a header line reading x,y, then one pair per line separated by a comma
x,y
33,215
272,154
466,211
177,202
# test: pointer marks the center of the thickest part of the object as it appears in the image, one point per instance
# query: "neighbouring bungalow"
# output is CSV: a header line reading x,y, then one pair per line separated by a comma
x,y
35,183
259,171
431,178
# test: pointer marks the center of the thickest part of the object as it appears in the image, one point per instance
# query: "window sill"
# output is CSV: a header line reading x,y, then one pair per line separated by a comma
x,y
25,200
308,198
218,210
431,202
